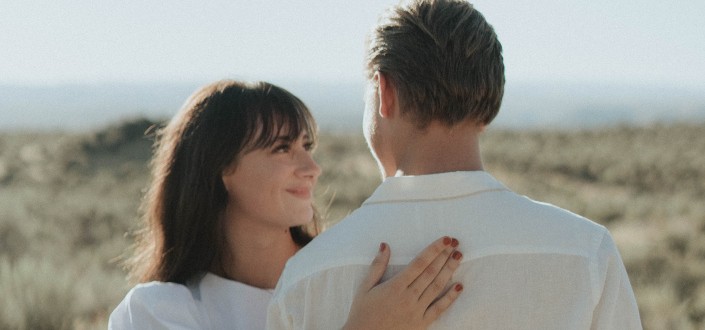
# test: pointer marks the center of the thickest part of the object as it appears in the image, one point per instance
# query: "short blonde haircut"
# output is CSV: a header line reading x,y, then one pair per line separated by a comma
x,y
444,59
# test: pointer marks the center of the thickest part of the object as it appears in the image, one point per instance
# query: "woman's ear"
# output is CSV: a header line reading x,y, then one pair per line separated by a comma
x,y
227,171
387,95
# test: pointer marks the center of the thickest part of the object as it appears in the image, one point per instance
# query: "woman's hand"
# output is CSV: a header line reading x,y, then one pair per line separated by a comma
x,y
411,299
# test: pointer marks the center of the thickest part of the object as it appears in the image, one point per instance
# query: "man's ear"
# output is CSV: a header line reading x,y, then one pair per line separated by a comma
x,y
387,96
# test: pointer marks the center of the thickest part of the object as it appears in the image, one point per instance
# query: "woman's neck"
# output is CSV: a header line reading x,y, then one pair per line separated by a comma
x,y
254,254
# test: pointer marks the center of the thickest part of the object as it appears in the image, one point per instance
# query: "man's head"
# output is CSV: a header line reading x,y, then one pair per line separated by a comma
x,y
443,60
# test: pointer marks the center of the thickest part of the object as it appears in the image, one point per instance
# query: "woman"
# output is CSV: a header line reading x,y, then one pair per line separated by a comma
x,y
230,201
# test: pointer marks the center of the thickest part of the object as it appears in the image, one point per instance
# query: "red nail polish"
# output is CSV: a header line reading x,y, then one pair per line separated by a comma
x,y
454,243
447,240
457,255
382,247
458,287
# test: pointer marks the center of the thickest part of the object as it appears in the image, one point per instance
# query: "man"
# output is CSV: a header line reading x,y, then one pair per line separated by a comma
x,y
436,80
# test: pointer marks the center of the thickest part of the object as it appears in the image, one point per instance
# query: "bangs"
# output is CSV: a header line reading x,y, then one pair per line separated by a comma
x,y
280,115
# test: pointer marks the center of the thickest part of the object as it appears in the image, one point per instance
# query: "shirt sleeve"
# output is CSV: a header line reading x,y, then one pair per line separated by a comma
x,y
616,306
156,306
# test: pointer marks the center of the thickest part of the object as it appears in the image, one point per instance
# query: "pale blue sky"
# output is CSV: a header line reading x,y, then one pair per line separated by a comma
x,y
89,41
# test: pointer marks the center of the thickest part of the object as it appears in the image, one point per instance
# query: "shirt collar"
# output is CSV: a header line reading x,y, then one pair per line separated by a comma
x,y
434,187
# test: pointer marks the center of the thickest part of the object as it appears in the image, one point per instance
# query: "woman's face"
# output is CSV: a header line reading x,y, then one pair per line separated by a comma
x,y
273,186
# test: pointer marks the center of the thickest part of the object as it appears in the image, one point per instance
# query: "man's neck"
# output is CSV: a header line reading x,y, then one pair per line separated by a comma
x,y
437,149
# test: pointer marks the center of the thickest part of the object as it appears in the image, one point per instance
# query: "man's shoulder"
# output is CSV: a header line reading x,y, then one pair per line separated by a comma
x,y
559,226
558,216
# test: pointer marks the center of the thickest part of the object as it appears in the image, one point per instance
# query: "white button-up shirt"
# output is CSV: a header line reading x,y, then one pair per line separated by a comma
x,y
211,302
526,265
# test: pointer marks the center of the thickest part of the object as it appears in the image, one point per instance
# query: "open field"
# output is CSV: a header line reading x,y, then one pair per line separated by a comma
x,y
69,201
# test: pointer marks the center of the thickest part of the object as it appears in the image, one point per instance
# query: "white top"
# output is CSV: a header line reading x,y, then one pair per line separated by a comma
x,y
211,303
526,265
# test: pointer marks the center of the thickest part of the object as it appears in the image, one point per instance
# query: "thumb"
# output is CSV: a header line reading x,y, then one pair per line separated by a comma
x,y
377,268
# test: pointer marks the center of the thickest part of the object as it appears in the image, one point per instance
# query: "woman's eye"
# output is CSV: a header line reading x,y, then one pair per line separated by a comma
x,y
309,146
282,148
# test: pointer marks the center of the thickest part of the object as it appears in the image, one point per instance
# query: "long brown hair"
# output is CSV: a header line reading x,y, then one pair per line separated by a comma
x,y
182,210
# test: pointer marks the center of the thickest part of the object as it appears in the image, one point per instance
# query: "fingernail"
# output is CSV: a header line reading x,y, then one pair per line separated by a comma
x,y
454,243
457,255
458,287
447,240
382,247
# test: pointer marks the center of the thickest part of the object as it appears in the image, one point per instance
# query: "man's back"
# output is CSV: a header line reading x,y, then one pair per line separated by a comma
x,y
527,265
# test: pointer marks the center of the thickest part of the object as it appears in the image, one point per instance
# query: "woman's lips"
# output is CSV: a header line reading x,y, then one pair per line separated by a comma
x,y
303,192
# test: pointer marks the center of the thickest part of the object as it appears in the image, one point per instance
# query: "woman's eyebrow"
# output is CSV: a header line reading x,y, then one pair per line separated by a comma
x,y
284,138
289,138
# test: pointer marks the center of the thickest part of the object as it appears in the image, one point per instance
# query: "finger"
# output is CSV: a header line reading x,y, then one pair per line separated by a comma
x,y
440,305
427,277
377,268
439,283
425,258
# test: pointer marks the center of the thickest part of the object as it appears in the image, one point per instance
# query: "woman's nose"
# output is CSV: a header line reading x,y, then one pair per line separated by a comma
x,y
308,166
